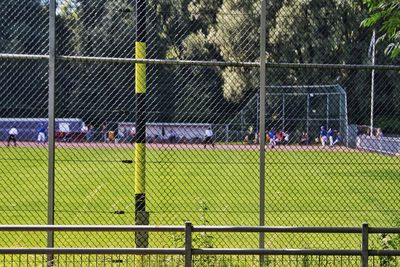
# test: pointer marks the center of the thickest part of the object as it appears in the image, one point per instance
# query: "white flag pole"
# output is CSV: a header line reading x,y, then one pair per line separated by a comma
x,y
371,51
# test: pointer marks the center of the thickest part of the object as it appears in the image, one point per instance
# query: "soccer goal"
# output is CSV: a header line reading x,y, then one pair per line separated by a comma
x,y
298,110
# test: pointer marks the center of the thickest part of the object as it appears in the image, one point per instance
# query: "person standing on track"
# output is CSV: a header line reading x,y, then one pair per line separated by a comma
x,y
104,133
12,136
209,137
41,130
272,138
323,136
330,136
286,138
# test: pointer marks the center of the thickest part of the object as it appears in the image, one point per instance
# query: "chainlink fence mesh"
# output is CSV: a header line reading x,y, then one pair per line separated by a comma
x,y
325,164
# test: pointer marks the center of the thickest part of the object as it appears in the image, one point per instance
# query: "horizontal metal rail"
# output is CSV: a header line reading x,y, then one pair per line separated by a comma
x,y
189,251
90,228
92,251
330,252
213,63
384,252
180,251
171,228
277,229
205,251
382,230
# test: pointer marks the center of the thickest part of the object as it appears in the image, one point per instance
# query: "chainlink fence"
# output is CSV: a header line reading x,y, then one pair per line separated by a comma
x,y
332,122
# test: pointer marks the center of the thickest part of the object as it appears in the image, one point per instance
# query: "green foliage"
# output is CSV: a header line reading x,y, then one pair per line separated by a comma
x,y
68,9
305,261
310,31
237,40
23,30
388,242
204,239
203,13
389,126
317,32
234,83
385,15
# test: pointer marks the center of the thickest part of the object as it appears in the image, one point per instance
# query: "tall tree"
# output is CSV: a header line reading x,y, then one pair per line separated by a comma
x,y
198,96
103,28
23,84
315,31
236,35
203,14
318,32
385,14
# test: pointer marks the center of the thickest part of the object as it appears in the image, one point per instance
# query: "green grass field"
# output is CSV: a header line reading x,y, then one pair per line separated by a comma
x,y
213,187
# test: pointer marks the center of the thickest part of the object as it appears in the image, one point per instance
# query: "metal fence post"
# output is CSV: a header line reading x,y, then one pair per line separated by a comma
x,y
327,111
51,125
283,112
364,246
263,41
188,244
141,215
308,115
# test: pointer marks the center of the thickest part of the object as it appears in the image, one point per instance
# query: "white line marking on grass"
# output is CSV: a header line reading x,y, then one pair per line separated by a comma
x,y
129,205
93,194
114,206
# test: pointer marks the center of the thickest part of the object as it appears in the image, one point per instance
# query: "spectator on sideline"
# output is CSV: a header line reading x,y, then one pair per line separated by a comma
x,y
12,136
250,136
323,136
84,131
379,133
104,133
338,139
172,136
272,138
121,135
304,139
90,133
209,137
41,130
286,138
280,137
258,139
330,136
132,134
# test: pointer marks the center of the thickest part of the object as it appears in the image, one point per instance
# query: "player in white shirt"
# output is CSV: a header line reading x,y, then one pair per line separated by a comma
x,y
209,138
12,136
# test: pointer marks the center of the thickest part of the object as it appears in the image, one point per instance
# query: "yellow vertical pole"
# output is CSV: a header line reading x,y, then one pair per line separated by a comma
x,y
141,216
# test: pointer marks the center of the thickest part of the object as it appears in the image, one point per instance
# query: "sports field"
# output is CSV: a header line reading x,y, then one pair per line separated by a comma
x,y
304,187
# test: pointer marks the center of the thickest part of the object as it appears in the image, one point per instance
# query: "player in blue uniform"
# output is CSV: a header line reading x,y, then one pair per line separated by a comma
x,y
338,139
272,138
41,131
323,136
330,136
